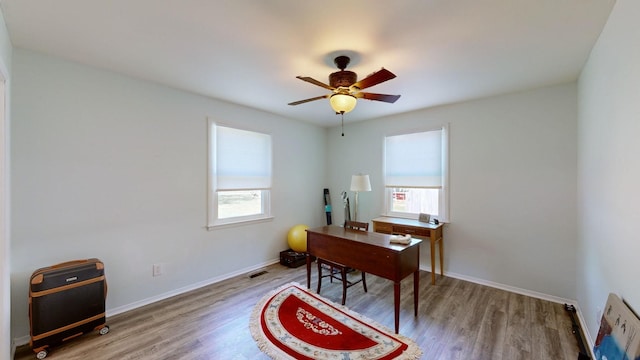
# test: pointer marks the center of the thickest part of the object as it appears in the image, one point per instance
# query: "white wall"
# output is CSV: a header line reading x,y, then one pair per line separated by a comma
x,y
608,166
512,180
110,167
5,259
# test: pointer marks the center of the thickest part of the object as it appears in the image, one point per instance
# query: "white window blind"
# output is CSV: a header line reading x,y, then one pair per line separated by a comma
x,y
239,176
415,160
242,159
415,174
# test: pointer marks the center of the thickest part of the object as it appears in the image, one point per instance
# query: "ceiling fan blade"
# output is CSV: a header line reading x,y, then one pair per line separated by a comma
x,y
374,79
315,82
310,99
377,97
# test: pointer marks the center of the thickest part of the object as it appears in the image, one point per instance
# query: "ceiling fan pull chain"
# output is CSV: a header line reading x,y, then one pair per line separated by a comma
x,y
342,114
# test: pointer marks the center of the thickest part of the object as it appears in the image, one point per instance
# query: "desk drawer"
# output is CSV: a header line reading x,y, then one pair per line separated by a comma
x,y
383,228
402,229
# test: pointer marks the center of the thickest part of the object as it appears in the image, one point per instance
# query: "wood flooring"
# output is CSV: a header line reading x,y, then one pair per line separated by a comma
x,y
457,320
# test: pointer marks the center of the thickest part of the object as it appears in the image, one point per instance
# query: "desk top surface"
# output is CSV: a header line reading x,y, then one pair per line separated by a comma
x,y
367,237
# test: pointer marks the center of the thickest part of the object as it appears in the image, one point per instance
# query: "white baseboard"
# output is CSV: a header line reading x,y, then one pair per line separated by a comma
x,y
585,331
23,340
13,349
588,339
510,288
182,290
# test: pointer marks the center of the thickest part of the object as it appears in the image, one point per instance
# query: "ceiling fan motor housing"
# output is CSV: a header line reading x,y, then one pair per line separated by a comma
x,y
343,78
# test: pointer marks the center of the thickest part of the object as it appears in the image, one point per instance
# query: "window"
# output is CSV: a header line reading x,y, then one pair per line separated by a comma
x,y
415,174
239,175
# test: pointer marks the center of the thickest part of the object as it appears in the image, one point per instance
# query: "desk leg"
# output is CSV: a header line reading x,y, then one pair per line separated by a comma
x,y
308,271
432,242
441,262
396,303
416,287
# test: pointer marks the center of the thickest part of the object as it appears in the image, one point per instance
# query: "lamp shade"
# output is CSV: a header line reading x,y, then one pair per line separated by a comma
x,y
342,103
360,183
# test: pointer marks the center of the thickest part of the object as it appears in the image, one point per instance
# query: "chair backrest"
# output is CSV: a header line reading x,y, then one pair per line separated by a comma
x,y
356,225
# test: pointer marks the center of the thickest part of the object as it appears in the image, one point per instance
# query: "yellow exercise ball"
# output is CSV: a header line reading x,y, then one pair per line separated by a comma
x,y
297,238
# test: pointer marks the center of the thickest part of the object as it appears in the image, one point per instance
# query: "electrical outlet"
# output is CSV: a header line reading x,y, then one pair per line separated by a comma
x,y
157,270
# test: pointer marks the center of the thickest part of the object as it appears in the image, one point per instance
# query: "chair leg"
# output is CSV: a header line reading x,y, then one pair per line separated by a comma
x,y
319,275
364,282
344,285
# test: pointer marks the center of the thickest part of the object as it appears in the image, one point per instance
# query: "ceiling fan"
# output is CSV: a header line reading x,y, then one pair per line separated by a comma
x,y
345,88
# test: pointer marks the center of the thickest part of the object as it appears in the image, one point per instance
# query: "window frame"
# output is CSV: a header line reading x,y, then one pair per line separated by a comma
x,y
443,189
213,220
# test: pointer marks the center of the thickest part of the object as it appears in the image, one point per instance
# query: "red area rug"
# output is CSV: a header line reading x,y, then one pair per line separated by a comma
x,y
294,323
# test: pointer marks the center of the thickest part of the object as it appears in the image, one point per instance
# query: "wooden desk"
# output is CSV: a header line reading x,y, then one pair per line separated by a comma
x,y
369,252
391,225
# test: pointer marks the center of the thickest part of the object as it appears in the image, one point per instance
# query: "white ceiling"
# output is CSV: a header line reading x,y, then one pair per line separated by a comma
x,y
250,52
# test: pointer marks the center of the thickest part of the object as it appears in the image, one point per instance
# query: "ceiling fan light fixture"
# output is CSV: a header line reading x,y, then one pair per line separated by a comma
x,y
342,103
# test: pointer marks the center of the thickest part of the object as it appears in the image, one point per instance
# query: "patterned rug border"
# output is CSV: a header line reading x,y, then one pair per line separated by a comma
x,y
413,351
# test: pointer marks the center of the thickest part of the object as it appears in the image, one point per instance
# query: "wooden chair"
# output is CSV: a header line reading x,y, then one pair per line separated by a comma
x,y
338,271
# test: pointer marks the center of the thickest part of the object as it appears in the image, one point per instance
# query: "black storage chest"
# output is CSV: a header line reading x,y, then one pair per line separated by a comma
x,y
65,301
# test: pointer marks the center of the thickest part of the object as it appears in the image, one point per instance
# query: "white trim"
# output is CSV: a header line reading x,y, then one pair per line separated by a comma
x,y
538,295
17,342
236,223
185,289
418,182
211,209
444,193
510,288
5,214
213,185
585,331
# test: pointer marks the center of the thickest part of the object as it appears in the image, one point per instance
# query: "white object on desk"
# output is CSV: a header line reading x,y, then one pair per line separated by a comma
x,y
400,239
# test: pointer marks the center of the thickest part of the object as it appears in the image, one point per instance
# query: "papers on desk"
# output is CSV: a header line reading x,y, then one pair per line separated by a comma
x,y
401,239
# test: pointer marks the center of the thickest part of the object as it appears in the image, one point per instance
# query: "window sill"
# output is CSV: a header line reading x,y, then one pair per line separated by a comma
x,y
232,224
